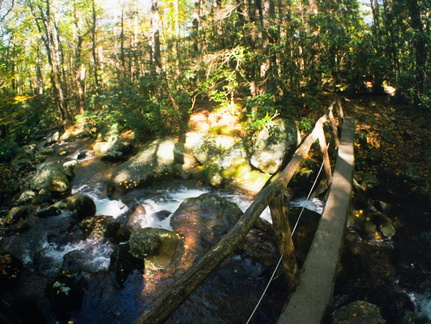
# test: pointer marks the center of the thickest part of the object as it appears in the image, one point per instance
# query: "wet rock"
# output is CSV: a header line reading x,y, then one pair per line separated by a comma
x,y
83,205
136,218
81,155
202,221
123,263
69,168
156,245
10,270
26,197
50,176
358,312
95,228
274,144
304,233
48,211
162,215
43,196
17,213
65,295
384,225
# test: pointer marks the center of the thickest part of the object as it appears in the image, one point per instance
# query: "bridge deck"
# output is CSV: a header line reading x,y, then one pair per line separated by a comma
x,y
309,301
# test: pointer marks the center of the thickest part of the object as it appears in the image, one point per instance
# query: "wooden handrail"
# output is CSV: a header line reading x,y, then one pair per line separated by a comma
x,y
271,195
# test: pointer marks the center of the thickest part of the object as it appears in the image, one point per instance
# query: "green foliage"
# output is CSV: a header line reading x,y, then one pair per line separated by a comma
x,y
305,124
8,149
22,118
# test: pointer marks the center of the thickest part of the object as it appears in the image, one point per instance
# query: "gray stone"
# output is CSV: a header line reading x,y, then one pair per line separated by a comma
x,y
277,140
83,205
16,213
154,160
233,167
50,176
156,245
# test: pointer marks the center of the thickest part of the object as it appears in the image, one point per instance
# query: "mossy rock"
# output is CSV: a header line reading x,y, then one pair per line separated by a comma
x,y
358,312
156,245
82,204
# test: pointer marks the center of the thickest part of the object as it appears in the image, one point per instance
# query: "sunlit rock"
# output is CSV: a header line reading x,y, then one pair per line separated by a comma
x,y
233,168
78,131
154,160
113,150
274,144
69,168
26,197
50,176
16,213
206,147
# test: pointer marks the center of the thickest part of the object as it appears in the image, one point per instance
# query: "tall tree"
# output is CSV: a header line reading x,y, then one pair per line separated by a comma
x,y
45,22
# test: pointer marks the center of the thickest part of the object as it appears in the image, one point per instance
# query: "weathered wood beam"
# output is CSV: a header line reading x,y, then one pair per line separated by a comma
x,y
283,234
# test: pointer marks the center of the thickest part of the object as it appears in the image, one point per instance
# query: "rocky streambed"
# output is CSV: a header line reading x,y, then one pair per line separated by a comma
x,y
99,227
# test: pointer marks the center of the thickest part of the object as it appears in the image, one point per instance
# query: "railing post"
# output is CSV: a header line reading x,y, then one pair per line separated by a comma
x,y
283,235
326,160
334,125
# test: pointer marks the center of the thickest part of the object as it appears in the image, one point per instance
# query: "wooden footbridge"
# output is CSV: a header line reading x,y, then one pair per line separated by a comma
x,y
313,285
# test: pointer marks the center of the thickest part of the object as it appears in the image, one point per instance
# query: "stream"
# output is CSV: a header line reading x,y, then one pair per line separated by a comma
x,y
228,295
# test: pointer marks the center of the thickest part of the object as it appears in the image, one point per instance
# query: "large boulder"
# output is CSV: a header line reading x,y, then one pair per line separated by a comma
x,y
114,149
78,131
83,205
206,147
233,168
274,144
156,246
203,221
154,160
51,177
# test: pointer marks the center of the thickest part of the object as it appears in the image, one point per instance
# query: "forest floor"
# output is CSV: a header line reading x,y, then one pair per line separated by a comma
x,y
400,133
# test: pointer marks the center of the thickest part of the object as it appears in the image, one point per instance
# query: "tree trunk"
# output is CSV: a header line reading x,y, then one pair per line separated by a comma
x,y
419,41
94,45
155,35
48,31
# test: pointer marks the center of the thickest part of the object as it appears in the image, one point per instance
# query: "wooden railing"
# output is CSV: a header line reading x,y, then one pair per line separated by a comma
x,y
273,196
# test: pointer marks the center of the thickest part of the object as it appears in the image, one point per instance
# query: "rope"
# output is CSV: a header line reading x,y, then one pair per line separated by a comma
x,y
281,256
266,288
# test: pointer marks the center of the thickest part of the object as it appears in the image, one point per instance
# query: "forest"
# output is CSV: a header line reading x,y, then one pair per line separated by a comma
x,y
141,66
172,92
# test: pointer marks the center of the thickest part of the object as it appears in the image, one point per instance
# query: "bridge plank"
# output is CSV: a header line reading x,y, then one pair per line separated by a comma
x,y
309,301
